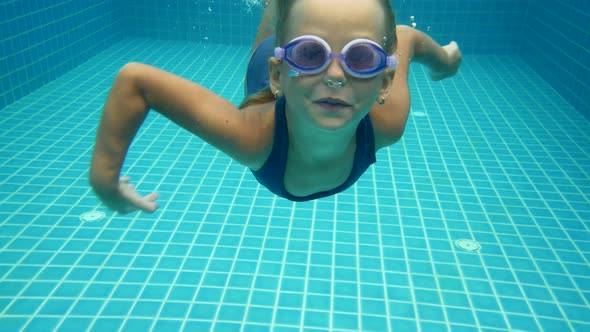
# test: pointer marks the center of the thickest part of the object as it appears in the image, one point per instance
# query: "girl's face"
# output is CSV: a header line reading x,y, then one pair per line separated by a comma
x,y
320,99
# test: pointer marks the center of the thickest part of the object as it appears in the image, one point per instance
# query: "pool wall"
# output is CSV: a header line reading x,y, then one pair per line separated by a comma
x,y
41,40
556,44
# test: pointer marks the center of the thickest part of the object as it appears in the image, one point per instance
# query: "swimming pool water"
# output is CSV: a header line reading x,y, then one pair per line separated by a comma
x,y
497,157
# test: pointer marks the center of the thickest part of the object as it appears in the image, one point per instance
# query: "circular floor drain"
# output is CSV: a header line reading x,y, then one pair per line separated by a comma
x,y
92,216
468,245
419,114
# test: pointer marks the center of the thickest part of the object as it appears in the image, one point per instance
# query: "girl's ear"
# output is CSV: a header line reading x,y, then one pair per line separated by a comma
x,y
386,83
274,70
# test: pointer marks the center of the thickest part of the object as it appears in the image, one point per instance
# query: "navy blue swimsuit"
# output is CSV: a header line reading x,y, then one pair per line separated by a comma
x,y
272,173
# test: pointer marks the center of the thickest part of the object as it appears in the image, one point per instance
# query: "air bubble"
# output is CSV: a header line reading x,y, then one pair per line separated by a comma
x,y
252,3
413,21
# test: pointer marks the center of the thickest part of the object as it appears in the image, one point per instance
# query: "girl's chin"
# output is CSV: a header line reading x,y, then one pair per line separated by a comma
x,y
333,120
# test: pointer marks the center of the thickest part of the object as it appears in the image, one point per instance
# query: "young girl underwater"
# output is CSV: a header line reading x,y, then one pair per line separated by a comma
x,y
326,88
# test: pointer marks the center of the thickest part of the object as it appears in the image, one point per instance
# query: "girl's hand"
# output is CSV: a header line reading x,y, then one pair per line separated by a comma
x,y
453,62
126,200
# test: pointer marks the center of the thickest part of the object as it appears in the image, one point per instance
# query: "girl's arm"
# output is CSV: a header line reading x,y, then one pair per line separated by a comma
x,y
443,62
389,120
138,88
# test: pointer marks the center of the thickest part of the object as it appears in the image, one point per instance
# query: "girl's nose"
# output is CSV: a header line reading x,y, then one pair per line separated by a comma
x,y
335,71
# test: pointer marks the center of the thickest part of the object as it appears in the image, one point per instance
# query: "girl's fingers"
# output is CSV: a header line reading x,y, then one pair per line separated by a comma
x,y
146,203
149,204
134,200
151,197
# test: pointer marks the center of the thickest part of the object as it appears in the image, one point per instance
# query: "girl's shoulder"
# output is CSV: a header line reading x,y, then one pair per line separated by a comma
x,y
261,118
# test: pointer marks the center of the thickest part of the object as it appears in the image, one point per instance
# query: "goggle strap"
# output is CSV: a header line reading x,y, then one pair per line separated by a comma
x,y
391,62
279,52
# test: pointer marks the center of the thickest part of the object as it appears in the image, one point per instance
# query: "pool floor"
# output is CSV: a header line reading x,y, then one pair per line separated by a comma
x,y
493,156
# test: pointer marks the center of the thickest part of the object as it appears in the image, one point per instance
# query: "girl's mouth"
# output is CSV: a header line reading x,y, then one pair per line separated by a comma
x,y
333,104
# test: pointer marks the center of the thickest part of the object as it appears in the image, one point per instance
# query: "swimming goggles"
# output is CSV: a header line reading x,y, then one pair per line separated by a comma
x,y
362,58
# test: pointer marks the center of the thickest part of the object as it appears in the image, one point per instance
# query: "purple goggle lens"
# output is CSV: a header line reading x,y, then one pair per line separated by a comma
x,y
361,58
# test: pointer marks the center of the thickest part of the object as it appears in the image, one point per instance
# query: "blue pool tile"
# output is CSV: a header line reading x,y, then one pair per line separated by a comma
x,y
550,324
167,325
491,319
42,324
69,289
99,290
484,302
24,272
154,292
290,300
109,275
537,293
81,274
223,326
546,309
345,304
430,312
137,324
522,322
432,326
479,286
24,306
568,296
263,298
460,315
404,324
87,307
174,310
107,324
259,314
127,291
374,323
318,319
345,321
117,307
197,326
576,313
146,308
288,316
74,323
204,311
13,323
374,307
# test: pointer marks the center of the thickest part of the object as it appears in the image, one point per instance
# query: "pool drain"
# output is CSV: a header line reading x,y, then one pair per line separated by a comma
x,y
92,216
468,245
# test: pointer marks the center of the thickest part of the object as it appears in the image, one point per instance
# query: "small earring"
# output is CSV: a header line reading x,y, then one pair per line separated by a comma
x,y
276,93
380,100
